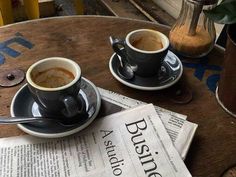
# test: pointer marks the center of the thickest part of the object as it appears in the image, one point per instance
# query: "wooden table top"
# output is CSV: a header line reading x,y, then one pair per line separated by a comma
x,y
85,40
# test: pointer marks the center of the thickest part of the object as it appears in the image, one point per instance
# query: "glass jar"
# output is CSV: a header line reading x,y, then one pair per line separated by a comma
x,y
193,34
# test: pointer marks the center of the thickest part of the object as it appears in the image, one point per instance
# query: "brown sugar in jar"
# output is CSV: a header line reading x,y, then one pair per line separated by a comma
x,y
193,34
196,45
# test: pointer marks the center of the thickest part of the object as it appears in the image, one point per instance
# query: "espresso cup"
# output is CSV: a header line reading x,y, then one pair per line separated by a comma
x,y
144,49
54,84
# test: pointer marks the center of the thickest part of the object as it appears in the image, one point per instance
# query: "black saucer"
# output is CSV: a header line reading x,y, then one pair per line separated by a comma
x,y
23,105
171,71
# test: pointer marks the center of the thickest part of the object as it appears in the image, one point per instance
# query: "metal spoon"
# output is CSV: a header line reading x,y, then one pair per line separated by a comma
x,y
17,120
124,69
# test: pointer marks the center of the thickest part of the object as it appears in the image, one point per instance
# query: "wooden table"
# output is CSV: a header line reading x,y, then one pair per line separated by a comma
x,y
85,40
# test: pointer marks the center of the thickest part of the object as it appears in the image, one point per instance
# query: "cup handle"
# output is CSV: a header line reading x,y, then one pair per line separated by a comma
x,y
118,45
72,106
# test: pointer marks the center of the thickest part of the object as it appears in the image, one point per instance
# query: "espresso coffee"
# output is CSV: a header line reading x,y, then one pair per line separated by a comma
x,y
53,77
148,43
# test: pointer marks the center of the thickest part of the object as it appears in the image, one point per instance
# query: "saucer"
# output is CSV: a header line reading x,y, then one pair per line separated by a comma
x,y
170,72
23,105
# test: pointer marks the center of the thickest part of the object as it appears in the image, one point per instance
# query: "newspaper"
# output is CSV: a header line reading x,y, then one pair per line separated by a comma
x,y
179,129
131,143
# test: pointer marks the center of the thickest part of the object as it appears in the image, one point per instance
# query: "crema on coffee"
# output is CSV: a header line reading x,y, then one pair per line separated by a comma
x,y
147,42
53,77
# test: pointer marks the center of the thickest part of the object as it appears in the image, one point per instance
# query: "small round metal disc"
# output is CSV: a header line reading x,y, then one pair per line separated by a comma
x,y
11,78
180,93
182,96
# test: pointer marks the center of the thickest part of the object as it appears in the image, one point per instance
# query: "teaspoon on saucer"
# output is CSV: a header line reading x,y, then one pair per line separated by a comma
x,y
18,120
124,70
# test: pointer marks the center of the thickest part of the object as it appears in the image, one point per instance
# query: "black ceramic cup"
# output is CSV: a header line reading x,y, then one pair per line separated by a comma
x,y
144,49
55,84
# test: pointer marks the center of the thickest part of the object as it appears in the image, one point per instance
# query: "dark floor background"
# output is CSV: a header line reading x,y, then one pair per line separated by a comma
x,y
65,7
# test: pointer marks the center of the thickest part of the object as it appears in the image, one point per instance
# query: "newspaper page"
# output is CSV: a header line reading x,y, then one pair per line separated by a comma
x,y
131,143
179,129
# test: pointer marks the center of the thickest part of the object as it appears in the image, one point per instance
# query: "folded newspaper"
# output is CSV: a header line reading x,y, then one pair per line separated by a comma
x,y
131,143
179,129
